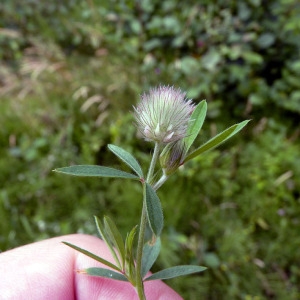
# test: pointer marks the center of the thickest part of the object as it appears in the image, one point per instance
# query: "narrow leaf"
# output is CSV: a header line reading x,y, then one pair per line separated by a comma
x,y
115,237
127,158
93,256
150,253
130,239
175,272
196,122
95,171
129,254
217,140
103,234
154,210
101,272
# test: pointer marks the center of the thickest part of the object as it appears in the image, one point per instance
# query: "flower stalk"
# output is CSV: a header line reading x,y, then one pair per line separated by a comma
x,y
139,257
160,182
153,162
143,223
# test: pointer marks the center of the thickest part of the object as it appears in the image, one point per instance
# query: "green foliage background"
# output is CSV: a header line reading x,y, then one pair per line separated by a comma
x,y
70,72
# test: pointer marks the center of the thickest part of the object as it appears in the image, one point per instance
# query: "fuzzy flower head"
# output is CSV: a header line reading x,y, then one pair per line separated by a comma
x,y
163,114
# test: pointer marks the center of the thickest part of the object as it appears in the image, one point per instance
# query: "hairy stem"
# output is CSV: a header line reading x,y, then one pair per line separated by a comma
x,y
153,162
160,182
143,223
139,257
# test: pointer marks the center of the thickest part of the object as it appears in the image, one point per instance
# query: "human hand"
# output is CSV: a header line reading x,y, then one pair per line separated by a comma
x,y
47,270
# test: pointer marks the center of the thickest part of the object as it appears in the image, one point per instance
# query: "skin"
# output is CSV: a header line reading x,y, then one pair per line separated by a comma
x,y
47,270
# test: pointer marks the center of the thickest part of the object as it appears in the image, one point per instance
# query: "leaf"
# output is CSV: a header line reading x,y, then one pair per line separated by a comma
x,y
175,272
196,122
93,256
129,254
127,158
94,171
115,237
217,140
101,272
102,232
154,210
150,253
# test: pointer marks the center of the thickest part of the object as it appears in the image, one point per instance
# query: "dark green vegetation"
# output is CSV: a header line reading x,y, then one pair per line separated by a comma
x,y
70,72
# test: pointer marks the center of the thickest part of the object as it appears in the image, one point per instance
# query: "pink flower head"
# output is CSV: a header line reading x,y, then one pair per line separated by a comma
x,y
163,114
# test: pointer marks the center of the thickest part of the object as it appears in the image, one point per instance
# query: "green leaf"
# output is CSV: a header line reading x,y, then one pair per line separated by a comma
x,y
196,122
101,272
154,210
175,272
129,240
217,140
93,256
127,158
115,237
150,253
129,254
105,236
95,171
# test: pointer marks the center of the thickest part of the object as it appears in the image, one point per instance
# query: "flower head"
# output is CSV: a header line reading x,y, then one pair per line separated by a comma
x,y
163,114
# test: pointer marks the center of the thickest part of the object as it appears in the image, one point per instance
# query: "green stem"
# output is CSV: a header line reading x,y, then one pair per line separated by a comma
x,y
139,255
160,182
153,162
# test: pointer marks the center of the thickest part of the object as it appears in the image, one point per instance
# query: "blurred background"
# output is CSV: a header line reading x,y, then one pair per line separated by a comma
x,y
70,72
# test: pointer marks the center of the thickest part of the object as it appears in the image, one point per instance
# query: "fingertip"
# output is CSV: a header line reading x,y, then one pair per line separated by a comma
x,y
103,288
48,270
